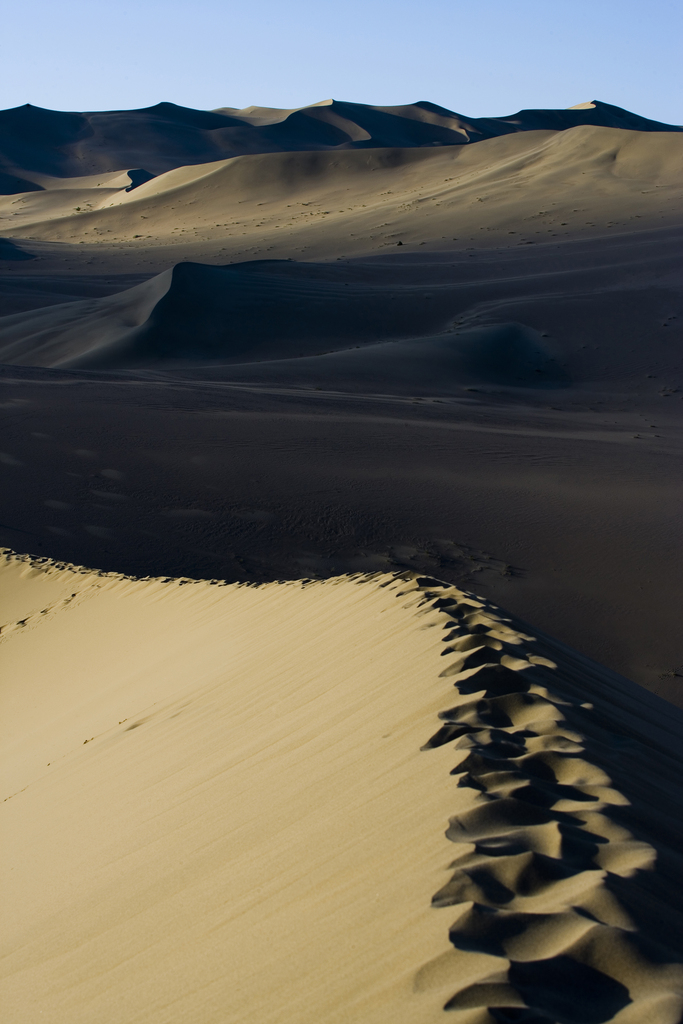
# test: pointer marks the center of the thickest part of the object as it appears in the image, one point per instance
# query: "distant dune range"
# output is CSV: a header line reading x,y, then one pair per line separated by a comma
x,y
387,345
274,311
52,142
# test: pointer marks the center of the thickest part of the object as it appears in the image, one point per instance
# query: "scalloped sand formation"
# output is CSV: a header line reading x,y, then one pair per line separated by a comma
x,y
235,811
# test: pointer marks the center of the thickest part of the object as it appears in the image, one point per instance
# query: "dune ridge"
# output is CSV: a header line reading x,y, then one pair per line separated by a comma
x,y
567,849
320,391
270,310
518,183
63,144
442,325
555,883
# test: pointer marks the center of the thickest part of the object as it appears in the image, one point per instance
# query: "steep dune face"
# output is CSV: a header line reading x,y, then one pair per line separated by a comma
x,y
238,807
71,332
165,136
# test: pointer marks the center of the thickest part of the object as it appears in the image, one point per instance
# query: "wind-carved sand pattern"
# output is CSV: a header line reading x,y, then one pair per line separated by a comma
x,y
550,879
225,794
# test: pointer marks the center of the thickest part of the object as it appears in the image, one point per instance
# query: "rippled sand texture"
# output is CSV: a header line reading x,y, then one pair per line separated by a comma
x,y
222,804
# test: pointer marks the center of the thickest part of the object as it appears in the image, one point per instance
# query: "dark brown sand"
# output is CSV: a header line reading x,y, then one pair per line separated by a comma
x,y
251,809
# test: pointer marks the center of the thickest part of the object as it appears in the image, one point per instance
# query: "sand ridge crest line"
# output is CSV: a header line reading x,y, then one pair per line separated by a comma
x,y
37,565
334,608
43,565
538,852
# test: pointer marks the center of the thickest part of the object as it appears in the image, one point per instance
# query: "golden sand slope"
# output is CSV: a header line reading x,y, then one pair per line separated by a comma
x,y
527,187
217,809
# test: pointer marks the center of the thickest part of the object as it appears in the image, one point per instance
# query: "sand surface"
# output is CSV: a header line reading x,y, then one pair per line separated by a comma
x,y
353,348
229,802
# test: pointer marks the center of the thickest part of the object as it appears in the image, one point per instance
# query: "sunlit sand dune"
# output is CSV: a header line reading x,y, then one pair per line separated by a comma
x,y
233,803
529,184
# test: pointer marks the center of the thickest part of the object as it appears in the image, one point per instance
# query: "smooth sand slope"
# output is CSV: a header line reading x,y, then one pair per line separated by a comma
x,y
222,803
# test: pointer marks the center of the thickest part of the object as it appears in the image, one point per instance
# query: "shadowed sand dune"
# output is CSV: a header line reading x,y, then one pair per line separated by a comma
x,y
232,802
271,310
592,305
52,142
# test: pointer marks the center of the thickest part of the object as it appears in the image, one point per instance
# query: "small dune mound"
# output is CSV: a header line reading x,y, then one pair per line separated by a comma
x,y
501,355
508,354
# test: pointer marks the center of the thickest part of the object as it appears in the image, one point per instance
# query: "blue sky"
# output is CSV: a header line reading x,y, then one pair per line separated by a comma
x,y
485,57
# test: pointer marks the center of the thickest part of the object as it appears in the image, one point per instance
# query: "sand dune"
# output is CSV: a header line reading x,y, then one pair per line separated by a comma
x,y
158,138
430,452
517,321
68,332
235,809
530,185
506,355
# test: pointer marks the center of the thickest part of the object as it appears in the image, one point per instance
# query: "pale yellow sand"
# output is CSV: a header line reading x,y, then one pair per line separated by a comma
x,y
251,831
217,808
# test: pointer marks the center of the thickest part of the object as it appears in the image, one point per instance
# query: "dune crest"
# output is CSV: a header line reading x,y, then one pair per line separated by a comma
x,y
60,143
236,799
